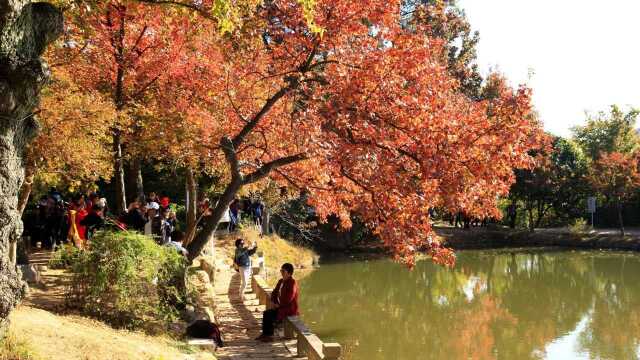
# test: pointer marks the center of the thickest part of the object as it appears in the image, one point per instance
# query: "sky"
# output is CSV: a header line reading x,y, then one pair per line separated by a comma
x,y
584,54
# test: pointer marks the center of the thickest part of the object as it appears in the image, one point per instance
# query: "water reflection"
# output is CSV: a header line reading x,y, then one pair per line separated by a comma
x,y
493,305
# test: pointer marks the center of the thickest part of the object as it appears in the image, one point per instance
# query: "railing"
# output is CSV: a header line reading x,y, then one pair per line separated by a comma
x,y
308,344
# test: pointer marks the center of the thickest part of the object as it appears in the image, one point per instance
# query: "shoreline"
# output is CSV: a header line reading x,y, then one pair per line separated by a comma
x,y
482,238
499,238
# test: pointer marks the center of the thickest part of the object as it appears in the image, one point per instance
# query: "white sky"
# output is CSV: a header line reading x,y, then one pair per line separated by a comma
x,y
584,53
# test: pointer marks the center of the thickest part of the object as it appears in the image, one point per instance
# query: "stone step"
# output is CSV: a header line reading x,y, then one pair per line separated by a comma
x,y
240,323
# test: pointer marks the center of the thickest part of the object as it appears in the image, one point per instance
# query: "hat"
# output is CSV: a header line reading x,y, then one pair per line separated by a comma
x,y
153,205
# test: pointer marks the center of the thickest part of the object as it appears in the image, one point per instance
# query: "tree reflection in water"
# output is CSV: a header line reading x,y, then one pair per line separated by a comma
x,y
493,305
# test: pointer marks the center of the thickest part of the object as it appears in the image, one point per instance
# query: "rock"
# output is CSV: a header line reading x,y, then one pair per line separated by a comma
x,y
25,30
30,274
189,314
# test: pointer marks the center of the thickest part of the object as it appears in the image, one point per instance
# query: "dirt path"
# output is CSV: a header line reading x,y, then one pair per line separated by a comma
x,y
49,294
241,321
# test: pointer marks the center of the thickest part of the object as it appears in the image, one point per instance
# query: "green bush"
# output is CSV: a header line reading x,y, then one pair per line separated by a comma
x,y
181,215
579,226
127,280
64,257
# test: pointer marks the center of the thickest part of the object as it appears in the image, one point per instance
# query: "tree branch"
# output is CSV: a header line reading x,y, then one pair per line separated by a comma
x,y
232,158
141,91
246,130
191,6
265,169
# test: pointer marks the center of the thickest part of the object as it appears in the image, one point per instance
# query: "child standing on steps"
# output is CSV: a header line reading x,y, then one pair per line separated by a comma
x,y
242,259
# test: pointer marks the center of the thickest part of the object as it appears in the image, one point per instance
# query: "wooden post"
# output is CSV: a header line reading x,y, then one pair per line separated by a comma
x,y
331,351
254,286
300,345
289,331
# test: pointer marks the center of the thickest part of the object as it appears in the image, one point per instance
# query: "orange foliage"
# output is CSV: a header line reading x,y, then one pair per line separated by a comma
x,y
364,115
383,128
616,175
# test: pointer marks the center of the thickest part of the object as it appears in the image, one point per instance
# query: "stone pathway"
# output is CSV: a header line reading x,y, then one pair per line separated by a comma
x,y
49,294
240,323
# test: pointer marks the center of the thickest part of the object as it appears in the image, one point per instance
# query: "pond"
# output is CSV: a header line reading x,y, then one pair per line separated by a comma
x,y
498,304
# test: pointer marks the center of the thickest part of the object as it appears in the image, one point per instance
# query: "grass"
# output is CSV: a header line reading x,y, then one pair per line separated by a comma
x,y
15,347
44,335
276,251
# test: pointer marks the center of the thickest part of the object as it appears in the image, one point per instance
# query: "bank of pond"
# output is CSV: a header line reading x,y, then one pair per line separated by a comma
x,y
544,303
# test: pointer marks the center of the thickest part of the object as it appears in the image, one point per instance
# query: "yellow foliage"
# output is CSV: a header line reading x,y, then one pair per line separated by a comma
x,y
74,143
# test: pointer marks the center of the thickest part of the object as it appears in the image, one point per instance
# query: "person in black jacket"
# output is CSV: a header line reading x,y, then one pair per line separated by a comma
x,y
242,259
134,217
94,221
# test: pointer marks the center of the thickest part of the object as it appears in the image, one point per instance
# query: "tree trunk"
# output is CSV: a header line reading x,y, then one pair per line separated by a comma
x,y
118,99
135,179
531,222
25,30
266,220
620,222
192,204
118,168
542,210
211,222
23,200
25,189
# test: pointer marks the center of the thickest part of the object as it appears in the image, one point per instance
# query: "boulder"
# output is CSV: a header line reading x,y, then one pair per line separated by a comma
x,y
30,274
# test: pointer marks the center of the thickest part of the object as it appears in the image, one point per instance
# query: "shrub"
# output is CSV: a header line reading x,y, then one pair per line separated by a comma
x,y
14,348
181,215
127,280
64,256
579,226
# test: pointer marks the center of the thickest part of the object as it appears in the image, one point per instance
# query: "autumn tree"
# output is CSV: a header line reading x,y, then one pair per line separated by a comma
x,y
122,49
364,115
611,142
73,145
26,29
617,176
443,19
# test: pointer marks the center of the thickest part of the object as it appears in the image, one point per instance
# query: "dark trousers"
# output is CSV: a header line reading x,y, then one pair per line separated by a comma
x,y
269,318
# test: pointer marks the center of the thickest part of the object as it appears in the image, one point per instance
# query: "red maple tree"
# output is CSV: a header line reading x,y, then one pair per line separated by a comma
x,y
122,49
363,115
617,176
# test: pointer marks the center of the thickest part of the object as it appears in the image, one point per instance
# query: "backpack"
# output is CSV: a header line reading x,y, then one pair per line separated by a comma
x,y
204,329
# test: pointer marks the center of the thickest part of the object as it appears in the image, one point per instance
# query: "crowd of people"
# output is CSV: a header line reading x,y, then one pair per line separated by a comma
x,y
238,207
57,221
76,221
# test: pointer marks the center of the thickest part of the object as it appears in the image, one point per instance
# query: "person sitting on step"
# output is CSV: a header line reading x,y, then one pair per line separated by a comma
x,y
285,300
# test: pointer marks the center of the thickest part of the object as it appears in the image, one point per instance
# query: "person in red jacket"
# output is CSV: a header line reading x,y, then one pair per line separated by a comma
x,y
285,299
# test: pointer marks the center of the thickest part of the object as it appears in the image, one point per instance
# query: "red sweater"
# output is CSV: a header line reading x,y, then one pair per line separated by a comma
x,y
285,295
82,230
